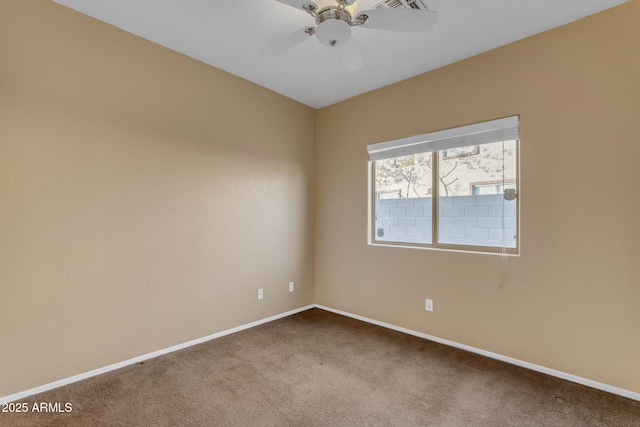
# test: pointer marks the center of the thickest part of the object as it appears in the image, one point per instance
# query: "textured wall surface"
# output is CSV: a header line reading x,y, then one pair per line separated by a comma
x,y
131,178
570,301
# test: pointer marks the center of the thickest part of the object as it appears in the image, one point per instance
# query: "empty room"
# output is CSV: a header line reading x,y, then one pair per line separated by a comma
x,y
320,213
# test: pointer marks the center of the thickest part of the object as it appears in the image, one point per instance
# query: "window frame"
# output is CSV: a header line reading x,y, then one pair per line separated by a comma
x,y
435,206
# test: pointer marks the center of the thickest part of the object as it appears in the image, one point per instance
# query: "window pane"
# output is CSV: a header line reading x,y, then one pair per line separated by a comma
x,y
477,196
403,211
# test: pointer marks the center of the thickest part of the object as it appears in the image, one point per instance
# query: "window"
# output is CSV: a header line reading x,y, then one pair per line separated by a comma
x,y
456,189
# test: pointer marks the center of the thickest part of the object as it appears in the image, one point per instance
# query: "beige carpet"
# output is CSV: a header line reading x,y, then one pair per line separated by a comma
x,y
320,369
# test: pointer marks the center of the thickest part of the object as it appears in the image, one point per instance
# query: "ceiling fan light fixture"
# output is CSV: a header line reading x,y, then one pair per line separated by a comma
x,y
333,32
334,23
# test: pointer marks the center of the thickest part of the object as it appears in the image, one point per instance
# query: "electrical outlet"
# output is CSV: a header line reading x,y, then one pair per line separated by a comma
x,y
429,305
291,285
260,294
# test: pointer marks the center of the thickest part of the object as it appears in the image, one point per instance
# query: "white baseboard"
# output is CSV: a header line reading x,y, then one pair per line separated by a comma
x,y
559,374
79,377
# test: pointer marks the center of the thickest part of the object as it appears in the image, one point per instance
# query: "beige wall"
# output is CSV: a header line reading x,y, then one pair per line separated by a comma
x,y
571,300
144,197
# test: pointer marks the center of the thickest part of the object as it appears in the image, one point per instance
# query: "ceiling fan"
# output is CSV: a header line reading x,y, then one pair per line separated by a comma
x,y
333,26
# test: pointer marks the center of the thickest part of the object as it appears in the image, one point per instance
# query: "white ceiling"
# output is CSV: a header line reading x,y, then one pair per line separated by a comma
x,y
232,35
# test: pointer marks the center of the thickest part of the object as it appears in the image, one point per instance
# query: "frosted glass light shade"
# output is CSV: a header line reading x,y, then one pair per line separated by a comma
x,y
333,32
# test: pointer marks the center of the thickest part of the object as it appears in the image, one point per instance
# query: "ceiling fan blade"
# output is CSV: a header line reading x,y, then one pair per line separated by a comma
x,y
289,41
299,4
400,19
349,55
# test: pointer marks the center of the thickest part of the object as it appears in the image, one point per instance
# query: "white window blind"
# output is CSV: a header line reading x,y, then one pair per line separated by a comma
x,y
476,134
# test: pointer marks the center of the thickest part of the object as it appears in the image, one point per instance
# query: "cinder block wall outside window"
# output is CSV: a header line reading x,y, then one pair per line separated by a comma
x,y
484,220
